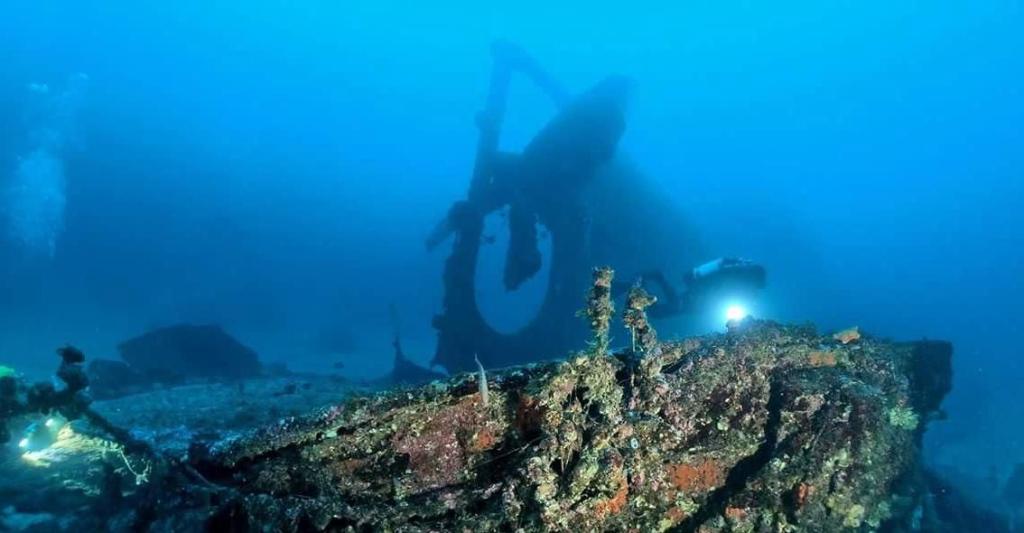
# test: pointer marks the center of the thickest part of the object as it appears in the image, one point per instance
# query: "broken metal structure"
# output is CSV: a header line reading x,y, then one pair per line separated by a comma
x,y
542,185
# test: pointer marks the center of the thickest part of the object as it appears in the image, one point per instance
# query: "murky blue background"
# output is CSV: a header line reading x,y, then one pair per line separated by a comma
x,y
275,167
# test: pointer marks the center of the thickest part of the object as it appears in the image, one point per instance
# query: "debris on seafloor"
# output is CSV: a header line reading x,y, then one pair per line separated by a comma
x,y
190,351
76,465
404,371
61,404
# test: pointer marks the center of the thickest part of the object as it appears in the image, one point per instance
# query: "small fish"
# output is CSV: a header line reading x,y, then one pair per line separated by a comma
x,y
482,381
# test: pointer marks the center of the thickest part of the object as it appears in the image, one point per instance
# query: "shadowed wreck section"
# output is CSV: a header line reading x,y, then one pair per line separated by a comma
x,y
764,428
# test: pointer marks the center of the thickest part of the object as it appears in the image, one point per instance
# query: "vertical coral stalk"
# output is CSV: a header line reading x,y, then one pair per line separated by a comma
x,y
600,308
635,317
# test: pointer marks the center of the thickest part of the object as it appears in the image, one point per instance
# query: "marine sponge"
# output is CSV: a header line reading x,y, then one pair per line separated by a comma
x,y
848,335
904,418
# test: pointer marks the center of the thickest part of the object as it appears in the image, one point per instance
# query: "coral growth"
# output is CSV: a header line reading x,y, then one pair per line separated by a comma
x,y
635,318
822,358
701,477
745,431
600,309
756,429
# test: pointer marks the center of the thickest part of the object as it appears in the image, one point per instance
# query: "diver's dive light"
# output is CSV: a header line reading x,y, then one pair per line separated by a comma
x,y
735,312
40,435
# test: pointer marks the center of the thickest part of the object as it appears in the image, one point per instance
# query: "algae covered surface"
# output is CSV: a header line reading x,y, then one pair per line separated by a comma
x,y
765,427
745,431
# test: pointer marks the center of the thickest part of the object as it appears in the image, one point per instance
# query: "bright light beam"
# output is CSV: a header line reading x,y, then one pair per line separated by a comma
x,y
736,312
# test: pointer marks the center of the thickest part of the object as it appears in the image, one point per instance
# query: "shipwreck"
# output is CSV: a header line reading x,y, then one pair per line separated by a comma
x,y
764,427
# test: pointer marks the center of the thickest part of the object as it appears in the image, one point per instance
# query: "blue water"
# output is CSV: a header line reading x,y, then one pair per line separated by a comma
x,y
275,168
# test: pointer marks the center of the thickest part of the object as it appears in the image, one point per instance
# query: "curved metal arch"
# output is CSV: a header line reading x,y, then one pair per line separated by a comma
x,y
462,330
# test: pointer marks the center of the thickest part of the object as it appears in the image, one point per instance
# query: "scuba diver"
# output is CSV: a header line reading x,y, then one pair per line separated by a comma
x,y
705,284
545,185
